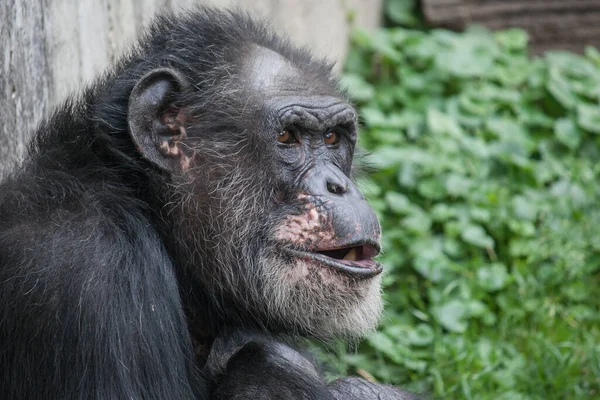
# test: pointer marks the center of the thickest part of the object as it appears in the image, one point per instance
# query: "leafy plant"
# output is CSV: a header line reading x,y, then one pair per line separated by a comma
x,y
487,184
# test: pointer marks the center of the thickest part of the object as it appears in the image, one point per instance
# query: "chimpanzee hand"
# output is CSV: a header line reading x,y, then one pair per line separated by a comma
x,y
251,365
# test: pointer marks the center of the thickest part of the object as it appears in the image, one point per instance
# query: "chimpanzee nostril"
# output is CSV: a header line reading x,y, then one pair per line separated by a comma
x,y
336,188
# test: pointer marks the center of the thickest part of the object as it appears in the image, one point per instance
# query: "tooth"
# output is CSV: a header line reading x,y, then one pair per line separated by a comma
x,y
351,256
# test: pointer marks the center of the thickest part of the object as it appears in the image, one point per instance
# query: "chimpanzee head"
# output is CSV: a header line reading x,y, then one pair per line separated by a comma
x,y
254,145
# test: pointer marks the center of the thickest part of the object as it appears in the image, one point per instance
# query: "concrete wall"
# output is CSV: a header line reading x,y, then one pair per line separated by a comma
x,y
50,48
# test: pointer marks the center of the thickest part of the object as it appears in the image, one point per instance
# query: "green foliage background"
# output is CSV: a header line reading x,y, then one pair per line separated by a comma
x,y
487,184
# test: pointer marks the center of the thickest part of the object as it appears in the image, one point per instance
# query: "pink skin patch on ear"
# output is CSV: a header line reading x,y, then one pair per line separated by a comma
x,y
171,148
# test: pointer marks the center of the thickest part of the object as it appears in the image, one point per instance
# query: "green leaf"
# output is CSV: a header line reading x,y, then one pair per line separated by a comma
x,y
407,175
362,37
523,208
571,65
512,39
422,335
357,87
522,228
402,12
475,235
469,56
386,157
588,117
593,55
561,89
431,189
452,316
382,44
385,345
432,264
441,124
457,185
567,133
418,223
373,116
480,214
511,133
442,212
492,277
398,203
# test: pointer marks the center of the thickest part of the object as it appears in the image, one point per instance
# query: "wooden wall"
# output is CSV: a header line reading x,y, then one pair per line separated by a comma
x,y
552,24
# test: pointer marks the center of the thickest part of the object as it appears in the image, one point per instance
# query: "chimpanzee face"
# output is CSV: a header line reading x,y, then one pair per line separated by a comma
x,y
279,232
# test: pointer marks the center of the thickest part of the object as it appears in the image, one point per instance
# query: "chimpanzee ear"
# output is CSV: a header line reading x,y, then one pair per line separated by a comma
x,y
156,119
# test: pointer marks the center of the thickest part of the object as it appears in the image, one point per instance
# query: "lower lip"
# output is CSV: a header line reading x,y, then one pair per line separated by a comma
x,y
360,269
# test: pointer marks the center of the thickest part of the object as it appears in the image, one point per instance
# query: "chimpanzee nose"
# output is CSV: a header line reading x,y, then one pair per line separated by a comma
x,y
329,182
336,186
337,183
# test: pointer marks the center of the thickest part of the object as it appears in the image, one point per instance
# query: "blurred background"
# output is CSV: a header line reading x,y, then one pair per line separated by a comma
x,y
481,120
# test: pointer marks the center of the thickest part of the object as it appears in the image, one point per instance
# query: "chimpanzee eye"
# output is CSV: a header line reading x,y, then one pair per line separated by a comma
x,y
286,137
331,138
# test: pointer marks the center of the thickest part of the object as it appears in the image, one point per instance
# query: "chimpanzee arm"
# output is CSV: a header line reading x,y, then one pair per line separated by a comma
x,y
248,365
253,366
356,388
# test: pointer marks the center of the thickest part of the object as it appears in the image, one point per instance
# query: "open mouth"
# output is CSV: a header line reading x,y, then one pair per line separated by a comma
x,y
355,259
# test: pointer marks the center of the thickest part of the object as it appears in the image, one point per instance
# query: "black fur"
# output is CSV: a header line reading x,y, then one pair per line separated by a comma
x,y
250,365
116,276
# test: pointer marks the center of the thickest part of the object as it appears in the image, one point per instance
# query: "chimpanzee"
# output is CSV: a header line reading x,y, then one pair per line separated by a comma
x,y
177,216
